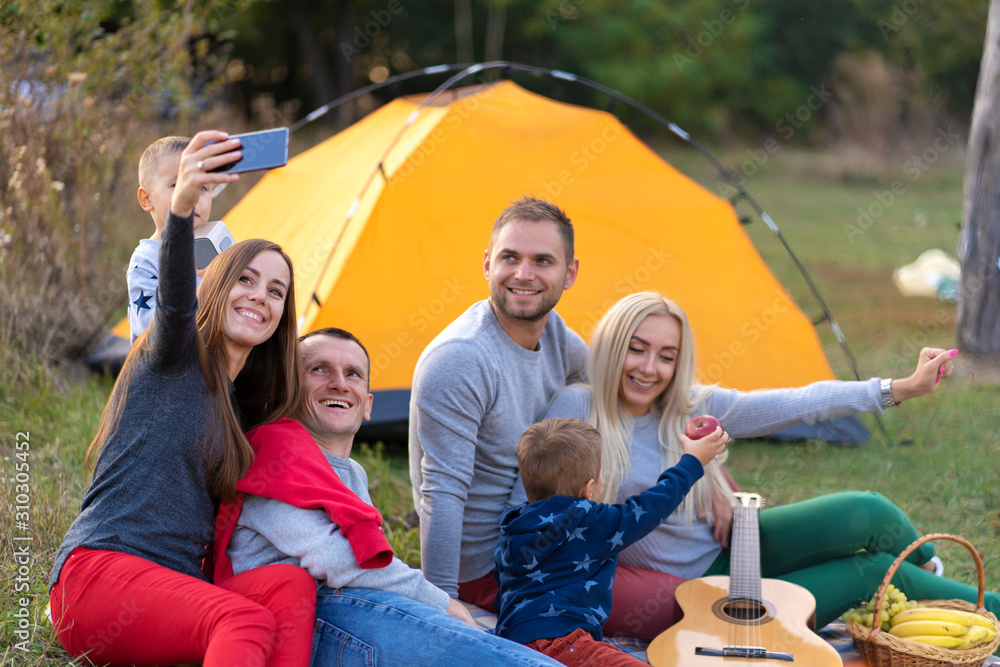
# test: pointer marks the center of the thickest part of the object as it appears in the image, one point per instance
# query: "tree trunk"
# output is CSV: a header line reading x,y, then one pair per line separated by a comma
x,y
345,20
495,23
463,31
978,327
312,53
496,20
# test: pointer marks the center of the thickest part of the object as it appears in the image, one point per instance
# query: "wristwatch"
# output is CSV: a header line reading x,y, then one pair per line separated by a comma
x,y
885,386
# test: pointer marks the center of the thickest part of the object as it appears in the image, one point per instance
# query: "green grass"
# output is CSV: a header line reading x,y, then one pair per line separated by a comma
x,y
53,416
947,480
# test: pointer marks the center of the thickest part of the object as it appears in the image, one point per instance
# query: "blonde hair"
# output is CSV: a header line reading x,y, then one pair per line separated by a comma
x,y
557,457
674,406
154,154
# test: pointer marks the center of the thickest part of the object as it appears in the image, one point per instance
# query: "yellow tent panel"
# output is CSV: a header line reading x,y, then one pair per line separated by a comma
x,y
387,221
395,254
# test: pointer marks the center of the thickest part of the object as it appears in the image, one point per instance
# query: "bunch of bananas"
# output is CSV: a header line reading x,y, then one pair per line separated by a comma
x,y
947,628
893,603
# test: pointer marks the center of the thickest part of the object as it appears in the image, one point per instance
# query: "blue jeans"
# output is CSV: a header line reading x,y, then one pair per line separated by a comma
x,y
365,627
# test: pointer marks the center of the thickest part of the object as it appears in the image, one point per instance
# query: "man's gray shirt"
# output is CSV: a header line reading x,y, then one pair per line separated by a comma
x,y
475,391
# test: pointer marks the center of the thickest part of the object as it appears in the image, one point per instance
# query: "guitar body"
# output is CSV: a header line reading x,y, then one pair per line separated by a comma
x,y
779,623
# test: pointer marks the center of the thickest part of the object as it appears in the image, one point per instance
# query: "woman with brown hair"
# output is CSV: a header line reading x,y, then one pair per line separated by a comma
x,y
127,585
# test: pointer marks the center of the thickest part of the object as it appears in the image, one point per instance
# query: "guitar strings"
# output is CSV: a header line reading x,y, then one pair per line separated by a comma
x,y
746,597
738,630
755,563
755,574
735,629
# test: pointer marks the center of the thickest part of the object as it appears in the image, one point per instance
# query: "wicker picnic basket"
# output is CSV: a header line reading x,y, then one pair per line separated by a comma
x,y
880,649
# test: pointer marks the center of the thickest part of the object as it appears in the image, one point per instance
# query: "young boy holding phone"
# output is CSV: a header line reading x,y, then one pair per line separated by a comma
x,y
158,169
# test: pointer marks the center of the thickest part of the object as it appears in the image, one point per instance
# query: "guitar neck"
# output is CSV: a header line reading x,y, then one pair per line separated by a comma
x,y
744,573
743,628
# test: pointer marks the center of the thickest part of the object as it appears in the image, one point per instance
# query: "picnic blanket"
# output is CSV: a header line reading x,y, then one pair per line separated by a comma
x,y
835,633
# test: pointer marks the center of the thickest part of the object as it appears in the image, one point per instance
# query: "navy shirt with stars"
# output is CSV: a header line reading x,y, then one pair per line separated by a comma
x,y
557,557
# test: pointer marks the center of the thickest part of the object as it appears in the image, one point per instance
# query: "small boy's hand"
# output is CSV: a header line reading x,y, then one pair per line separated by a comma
x,y
196,161
458,610
707,448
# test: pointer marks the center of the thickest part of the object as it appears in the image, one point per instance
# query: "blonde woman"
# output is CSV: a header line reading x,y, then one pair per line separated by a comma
x,y
641,396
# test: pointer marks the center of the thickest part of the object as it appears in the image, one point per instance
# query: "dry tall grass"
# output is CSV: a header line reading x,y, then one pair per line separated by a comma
x,y
78,104
81,95
881,109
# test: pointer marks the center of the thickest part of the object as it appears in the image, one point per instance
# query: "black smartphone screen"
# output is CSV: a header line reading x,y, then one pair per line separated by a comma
x,y
266,149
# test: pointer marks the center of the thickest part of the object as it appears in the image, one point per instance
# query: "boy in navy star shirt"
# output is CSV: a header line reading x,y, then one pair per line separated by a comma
x,y
558,552
158,168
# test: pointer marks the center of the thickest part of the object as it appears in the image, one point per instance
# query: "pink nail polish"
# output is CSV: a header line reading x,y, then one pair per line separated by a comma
x,y
952,353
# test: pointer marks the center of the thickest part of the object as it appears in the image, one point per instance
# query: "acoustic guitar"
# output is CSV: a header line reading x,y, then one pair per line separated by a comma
x,y
743,620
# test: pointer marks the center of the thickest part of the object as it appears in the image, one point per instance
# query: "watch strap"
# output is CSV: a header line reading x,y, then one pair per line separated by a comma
x,y
885,386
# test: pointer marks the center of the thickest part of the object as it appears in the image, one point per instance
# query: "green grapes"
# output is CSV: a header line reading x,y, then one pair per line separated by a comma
x,y
893,602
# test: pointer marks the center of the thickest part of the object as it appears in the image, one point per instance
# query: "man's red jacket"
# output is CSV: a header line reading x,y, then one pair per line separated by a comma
x,y
290,467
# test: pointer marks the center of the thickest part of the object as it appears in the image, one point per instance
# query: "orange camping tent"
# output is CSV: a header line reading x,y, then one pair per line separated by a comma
x,y
387,221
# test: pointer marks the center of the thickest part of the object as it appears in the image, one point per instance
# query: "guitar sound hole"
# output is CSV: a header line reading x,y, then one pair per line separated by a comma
x,y
744,610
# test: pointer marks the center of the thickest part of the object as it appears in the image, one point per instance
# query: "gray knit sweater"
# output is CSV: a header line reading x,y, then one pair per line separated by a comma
x,y
271,531
150,496
475,391
687,550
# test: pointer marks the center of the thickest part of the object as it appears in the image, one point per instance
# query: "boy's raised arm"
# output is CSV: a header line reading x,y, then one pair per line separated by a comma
x,y
176,298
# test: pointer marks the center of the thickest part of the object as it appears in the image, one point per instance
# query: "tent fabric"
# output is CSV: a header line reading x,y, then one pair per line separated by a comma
x,y
410,260
394,254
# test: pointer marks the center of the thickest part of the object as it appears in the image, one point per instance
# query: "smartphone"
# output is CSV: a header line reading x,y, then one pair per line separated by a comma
x,y
266,149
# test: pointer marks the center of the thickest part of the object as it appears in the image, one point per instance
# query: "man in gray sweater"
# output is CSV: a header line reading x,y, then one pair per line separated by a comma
x,y
485,379
384,616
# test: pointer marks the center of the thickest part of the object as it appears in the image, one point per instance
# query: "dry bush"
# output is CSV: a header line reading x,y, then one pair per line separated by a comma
x,y
78,104
882,111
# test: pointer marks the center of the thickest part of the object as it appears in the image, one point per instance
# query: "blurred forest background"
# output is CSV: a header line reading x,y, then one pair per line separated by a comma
x,y
85,85
849,98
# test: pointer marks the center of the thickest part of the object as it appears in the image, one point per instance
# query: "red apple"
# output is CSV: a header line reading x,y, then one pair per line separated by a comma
x,y
701,426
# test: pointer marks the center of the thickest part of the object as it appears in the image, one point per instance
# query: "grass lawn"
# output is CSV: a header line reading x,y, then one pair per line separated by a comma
x,y
947,478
